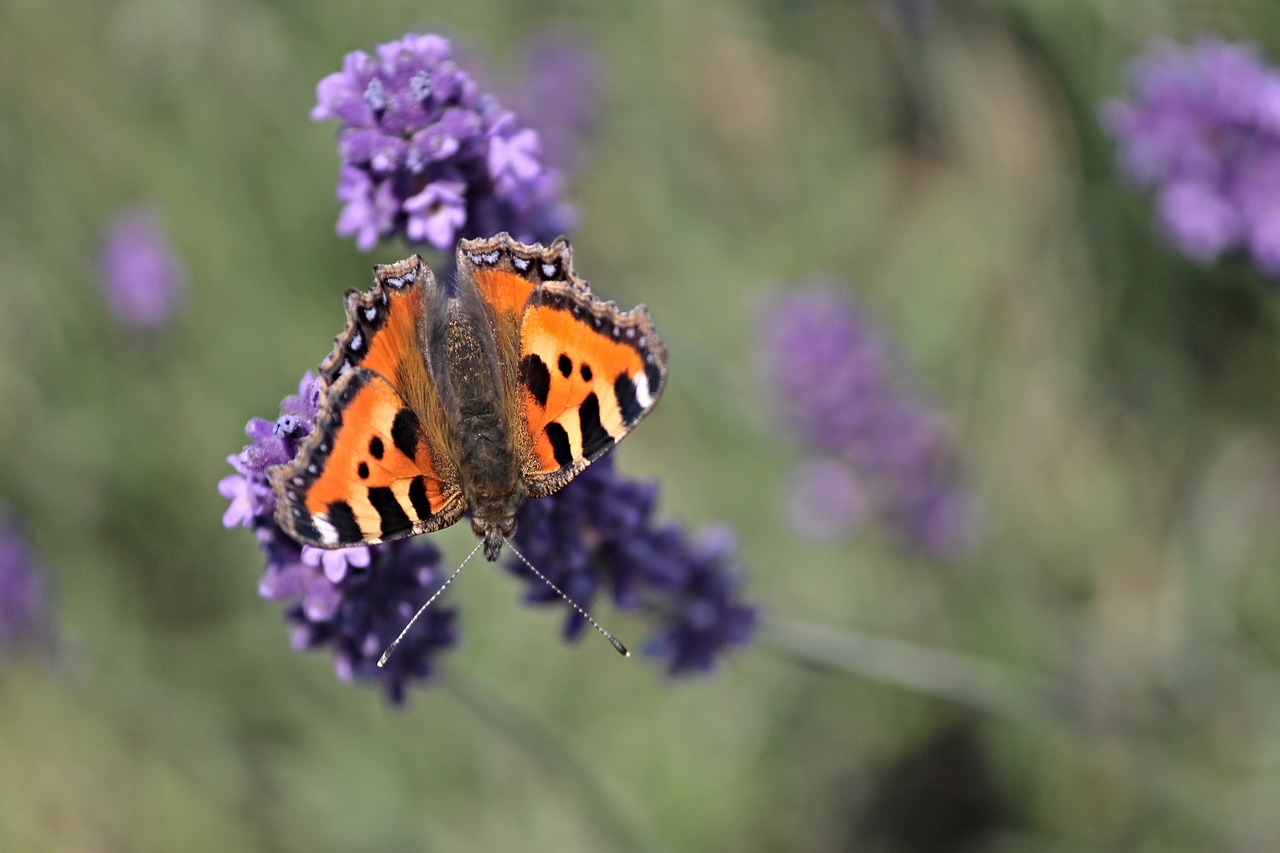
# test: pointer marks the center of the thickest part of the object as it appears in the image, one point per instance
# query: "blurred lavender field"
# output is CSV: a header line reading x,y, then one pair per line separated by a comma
x,y
956,526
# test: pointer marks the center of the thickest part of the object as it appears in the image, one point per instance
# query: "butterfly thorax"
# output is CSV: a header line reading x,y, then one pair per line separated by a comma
x,y
487,464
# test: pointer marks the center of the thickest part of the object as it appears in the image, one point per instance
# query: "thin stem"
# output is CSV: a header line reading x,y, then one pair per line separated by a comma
x,y
980,684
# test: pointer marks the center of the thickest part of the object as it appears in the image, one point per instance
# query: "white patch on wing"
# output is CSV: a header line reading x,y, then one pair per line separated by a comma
x,y
643,395
328,533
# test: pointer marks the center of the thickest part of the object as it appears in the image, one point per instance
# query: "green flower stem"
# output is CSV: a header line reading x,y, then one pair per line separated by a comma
x,y
982,685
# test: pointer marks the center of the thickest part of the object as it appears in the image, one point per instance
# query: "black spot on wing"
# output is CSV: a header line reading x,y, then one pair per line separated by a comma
x,y
595,440
654,375
559,443
535,376
404,433
363,470
418,497
625,390
586,372
375,447
304,530
394,519
565,364
344,521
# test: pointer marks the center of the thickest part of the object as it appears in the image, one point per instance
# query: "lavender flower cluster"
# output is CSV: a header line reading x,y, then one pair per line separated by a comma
x,y
1201,127
427,157
351,600
879,448
598,534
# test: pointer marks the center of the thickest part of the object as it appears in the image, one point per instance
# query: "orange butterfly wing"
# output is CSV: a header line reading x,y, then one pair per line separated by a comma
x,y
375,467
580,372
588,373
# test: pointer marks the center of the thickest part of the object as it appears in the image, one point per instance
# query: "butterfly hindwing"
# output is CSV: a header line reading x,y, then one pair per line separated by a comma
x,y
588,373
366,473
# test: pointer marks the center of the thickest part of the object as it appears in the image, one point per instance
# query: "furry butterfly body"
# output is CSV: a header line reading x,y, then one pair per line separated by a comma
x,y
436,403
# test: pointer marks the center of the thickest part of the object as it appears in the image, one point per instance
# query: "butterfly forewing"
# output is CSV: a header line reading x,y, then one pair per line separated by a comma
x,y
382,324
366,473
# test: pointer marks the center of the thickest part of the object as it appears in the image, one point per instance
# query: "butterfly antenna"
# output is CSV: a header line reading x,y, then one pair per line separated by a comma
x,y
382,661
622,650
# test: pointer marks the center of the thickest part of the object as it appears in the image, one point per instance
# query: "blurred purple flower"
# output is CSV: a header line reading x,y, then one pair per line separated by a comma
x,y
833,370
825,500
1201,127
427,157
23,618
142,277
598,534
559,91
353,601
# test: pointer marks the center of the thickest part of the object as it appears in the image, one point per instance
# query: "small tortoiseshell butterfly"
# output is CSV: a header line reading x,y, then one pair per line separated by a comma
x,y
435,403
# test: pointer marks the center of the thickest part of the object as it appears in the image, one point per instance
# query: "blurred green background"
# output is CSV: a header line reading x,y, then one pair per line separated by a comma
x,y
1100,672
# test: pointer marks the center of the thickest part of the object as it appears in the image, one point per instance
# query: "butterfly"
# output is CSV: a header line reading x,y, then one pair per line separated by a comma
x,y
437,402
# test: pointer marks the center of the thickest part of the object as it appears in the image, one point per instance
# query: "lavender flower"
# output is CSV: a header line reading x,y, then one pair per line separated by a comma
x,y
22,596
598,534
142,277
1201,127
352,600
833,369
427,157
826,500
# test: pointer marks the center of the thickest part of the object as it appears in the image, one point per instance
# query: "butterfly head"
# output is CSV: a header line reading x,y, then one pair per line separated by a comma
x,y
493,535
495,495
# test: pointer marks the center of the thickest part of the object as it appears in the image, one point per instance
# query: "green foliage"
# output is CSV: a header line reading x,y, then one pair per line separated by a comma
x,y
1100,671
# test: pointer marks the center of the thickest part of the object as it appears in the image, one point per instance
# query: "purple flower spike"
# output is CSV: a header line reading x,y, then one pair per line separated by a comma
x,y
142,277
428,158
598,534
23,618
1201,128
879,442
826,501
703,615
